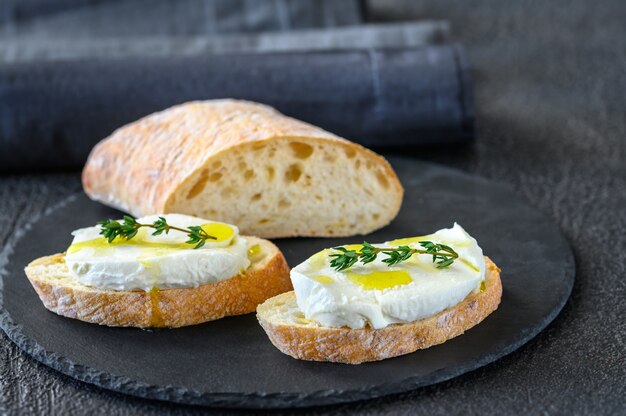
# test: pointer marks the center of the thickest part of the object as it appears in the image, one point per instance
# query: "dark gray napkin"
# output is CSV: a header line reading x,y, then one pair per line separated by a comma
x,y
129,18
52,113
72,71
367,36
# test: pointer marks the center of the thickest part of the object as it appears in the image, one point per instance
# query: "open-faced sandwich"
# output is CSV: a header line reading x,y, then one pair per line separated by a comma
x,y
369,302
159,271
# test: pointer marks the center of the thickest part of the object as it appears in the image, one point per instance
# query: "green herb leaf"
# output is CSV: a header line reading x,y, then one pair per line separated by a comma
x,y
128,228
442,255
345,259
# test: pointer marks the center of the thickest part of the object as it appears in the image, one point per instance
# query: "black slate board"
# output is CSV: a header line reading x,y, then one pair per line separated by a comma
x,y
231,363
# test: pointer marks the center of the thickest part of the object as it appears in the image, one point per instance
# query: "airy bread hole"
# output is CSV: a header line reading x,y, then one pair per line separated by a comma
x,y
382,180
357,164
283,203
376,216
248,174
270,173
293,173
264,221
216,165
256,197
199,185
350,152
301,150
216,176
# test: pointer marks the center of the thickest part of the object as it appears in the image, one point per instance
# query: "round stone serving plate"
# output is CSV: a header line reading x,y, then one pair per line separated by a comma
x,y
231,363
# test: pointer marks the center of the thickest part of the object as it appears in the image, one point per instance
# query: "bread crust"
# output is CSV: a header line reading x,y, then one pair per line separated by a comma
x,y
143,167
355,346
267,276
139,167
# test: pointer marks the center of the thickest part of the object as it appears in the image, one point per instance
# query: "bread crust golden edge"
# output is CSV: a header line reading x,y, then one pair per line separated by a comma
x,y
312,342
267,276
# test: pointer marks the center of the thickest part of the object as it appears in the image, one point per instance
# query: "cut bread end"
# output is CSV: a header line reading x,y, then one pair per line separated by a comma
x,y
61,293
303,339
294,187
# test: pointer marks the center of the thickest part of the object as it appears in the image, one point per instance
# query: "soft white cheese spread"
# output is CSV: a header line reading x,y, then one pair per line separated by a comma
x,y
163,261
377,295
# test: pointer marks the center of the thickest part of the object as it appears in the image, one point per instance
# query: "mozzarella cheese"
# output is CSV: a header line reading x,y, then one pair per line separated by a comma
x,y
377,295
163,261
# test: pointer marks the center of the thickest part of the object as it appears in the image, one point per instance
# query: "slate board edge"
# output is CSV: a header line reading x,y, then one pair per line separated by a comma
x,y
126,385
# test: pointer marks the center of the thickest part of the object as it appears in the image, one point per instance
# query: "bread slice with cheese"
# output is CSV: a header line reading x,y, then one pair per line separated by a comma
x,y
61,293
244,163
300,338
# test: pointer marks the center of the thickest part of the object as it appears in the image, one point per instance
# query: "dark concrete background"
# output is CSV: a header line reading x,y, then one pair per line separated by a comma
x,y
551,122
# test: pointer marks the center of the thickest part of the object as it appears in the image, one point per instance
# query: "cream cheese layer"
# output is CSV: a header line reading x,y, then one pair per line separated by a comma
x,y
377,295
163,261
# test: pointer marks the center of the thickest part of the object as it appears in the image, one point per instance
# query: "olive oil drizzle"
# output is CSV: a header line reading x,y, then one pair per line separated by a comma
x,y
156,317
470,265
380,280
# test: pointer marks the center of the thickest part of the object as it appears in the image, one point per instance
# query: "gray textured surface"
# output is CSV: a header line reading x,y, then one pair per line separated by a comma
x,y
550,91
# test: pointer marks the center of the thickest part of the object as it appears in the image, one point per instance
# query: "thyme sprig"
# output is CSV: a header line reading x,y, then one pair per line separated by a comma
x,y
442,255
128,228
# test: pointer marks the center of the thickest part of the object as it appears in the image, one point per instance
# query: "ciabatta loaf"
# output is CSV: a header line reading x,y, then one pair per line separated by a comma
x,y
244,163
60,292
300,338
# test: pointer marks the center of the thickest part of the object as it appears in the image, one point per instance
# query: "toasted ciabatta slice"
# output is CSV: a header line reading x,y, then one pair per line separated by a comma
x,y
300,338
244,163
60,292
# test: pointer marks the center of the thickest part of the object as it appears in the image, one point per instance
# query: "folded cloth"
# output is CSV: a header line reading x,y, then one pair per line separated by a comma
x,y
366,36
52,113
123,18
